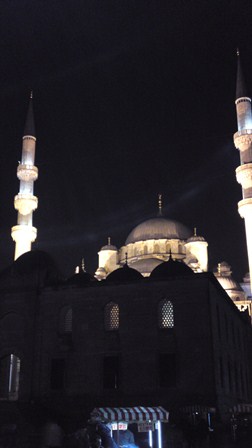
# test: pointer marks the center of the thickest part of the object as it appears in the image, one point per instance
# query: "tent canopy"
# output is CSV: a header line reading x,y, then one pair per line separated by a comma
x,y
131,415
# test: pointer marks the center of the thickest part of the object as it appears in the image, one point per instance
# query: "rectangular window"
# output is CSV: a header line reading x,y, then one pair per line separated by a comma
x,y
167,370
58,367
111,374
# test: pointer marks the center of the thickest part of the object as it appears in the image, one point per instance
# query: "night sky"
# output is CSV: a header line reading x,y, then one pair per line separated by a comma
x,y
131,99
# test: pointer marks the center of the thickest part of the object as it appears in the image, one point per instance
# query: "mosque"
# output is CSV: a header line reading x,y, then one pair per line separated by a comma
x,y
140,330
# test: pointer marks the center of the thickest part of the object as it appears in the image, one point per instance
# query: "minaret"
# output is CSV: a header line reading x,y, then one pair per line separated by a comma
x,y
243,142
24,234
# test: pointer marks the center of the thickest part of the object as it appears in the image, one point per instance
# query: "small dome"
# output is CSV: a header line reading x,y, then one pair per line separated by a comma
x,y
171,268
195,238
124,274
39,265
158,228
109,247
81,279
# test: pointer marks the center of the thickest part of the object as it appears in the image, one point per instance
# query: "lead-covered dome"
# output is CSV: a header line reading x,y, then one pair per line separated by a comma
x,y
124,274
171,268
158,228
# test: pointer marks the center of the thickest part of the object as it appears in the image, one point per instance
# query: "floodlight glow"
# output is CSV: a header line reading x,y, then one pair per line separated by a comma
x,y
150,439
159,434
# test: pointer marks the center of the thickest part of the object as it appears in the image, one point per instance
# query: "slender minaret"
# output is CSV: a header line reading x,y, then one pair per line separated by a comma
x,y
243,142
24,234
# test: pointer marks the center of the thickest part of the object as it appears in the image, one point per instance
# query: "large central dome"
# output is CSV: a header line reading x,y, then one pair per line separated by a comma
x,y
158,228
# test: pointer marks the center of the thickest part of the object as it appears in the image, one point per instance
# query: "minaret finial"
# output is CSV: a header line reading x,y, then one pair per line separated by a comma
x,y
160,204
83,265
109,241
126,258
241,90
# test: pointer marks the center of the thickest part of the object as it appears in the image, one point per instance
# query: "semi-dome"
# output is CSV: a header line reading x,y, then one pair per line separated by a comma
x,y
124,274
171,268
146,265
158,228
229,284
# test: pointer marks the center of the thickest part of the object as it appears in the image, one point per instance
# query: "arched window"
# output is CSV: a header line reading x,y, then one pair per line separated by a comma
x,y
9,377
145,250
180,249
65,320
111,316
156,248
168,248
165,314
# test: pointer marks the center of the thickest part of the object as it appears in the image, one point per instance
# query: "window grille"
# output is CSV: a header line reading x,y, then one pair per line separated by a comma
x,y
65,321
111,316
165,314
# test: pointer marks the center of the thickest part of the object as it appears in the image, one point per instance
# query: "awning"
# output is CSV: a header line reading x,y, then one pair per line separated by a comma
x,y
199,408
131,415
241,408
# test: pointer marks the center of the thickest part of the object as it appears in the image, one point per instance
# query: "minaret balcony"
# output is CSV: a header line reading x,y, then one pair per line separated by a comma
x,y
21,233
245,208
27,172
244,175
25,203
243,139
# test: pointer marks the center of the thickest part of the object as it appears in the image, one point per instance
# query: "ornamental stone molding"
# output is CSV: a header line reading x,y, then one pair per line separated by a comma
x,y
244,175
25,203
27,172
245,208
243,139
20,232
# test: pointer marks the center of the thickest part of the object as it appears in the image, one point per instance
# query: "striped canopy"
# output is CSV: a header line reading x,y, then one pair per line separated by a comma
x,y
132,415
241,408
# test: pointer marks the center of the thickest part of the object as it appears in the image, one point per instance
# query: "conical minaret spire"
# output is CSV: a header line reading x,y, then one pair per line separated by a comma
x,y
24,234
243,142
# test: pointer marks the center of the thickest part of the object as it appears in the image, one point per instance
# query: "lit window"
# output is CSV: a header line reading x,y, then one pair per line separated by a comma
x,y
111,317
65,320
9,377
165,314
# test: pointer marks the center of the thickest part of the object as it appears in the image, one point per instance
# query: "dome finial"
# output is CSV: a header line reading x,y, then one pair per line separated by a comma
x,y
237,51
126,258
195,231
109,241
83,265
31,94
160,204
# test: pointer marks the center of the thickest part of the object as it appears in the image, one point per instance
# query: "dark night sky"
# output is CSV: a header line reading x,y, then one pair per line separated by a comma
x,y
131,98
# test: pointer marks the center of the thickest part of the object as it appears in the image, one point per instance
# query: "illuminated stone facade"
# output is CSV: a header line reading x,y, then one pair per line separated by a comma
x,y
152,242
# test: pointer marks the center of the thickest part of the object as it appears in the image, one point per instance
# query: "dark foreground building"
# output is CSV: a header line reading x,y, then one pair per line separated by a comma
x,y
174,339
